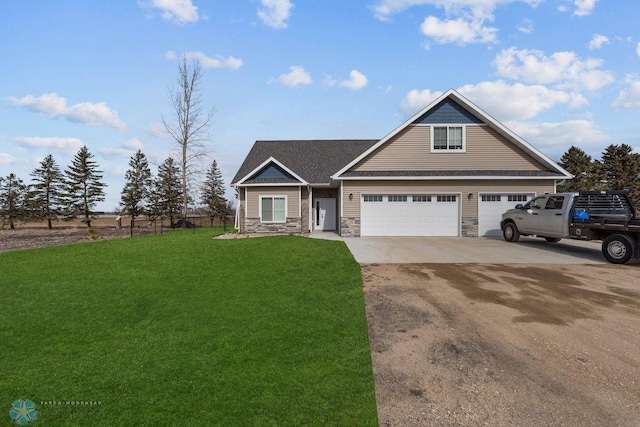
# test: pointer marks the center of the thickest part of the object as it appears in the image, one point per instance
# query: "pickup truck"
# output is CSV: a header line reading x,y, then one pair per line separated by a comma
x,y
589,215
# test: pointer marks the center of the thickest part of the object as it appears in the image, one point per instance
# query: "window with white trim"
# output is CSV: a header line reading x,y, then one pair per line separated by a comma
x,y
517,198
447,138
421,198
491,197
446,199
396,198
273,208
372,198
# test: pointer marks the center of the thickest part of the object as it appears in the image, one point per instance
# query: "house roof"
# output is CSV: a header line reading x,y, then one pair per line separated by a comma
x,y
454,174
313,161
475,111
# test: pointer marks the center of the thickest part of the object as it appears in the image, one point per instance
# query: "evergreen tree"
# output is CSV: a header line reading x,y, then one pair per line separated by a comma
x,y
587,175
84,188
622,170
135,194
167,191
43,199
12,195
213,192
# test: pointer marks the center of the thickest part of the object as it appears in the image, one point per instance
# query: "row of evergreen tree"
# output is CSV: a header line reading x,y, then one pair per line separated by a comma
x,y
76,191
617,169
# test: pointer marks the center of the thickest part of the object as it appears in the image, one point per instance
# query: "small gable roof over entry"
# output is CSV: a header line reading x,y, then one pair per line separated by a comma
x,y
298,161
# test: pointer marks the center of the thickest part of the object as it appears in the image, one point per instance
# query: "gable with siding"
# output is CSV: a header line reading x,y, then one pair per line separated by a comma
x,y
411,150
488,145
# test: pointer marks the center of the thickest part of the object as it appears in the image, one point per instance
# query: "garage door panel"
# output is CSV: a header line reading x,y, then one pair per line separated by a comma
x,y
427,217
492,206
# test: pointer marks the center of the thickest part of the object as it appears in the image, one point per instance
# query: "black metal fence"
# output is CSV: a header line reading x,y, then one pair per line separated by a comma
x,y
143,226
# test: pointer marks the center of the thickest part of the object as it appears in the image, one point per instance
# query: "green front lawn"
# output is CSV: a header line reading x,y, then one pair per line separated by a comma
x,y
179,329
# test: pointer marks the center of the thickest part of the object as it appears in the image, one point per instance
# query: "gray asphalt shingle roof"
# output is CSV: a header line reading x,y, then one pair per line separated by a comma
x,y
313,160
454,173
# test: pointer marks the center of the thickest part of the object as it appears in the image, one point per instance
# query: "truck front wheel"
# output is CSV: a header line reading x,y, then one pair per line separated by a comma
x,y
510,232
618,249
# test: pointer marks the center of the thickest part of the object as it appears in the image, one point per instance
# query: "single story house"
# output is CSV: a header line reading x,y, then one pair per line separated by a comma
x,y
450,170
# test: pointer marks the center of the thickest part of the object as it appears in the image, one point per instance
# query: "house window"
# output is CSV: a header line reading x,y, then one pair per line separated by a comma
x,y
273,208
396,198
447,138
372,198
446,198
490,197
421,198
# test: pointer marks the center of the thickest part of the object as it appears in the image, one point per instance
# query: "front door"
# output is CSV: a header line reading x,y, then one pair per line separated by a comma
x,y
325,214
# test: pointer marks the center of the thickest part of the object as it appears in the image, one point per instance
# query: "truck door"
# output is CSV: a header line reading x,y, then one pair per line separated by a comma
x,y
528,221
551,218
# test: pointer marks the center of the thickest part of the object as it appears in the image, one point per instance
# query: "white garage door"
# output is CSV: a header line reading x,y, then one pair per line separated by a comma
x,y
410,215
492,206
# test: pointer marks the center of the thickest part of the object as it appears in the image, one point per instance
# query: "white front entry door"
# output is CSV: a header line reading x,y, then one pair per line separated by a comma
x,y
325,214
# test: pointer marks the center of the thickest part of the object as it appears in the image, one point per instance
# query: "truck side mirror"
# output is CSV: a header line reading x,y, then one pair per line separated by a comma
x,y
520,206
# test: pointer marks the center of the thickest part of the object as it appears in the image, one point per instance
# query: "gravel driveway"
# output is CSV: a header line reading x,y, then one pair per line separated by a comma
x,y
505,344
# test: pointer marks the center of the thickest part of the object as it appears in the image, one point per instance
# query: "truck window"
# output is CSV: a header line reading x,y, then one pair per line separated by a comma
x,y
536,203
554,202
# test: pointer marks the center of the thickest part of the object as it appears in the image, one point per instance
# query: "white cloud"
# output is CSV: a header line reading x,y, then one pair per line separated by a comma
x,y
572,132
356,81
385,8
584,7
460,31
205,61
275,13
502,100
133,144
465,19
526,26
416,100
563,69
157,129
629,98
64,145
298,76
597,41
176,11
6,159
517,101
638,48
52,105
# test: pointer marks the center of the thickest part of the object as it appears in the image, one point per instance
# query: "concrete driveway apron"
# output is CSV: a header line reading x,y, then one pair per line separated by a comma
x,y
400,250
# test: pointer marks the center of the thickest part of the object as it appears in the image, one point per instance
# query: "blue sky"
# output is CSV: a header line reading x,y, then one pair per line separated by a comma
x,y
96,73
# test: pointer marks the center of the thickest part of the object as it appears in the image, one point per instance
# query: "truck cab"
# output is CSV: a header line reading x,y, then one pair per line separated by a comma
x,y
544,216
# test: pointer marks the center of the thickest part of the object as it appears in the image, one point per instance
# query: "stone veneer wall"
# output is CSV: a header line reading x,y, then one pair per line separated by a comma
x,y
349,227
470,227
292,226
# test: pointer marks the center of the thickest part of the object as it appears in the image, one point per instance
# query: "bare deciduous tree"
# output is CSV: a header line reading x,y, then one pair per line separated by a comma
x,y
189,124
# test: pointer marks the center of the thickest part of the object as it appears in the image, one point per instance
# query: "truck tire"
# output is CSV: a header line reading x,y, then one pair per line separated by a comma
x,y
552,239
510,232
618,249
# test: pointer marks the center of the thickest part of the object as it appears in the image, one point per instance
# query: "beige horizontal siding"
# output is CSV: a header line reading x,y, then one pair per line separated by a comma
x,y
253,199
485,150
351,208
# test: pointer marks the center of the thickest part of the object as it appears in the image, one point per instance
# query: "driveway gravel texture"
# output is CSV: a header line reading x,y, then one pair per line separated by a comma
x,y
505,344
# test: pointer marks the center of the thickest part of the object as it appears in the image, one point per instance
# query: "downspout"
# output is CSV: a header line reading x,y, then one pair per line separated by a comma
x,y
310,208
237,220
